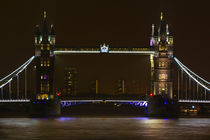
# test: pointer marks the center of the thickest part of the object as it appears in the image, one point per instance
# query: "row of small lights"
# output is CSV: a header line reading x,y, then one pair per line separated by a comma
x,y
196,101
16,100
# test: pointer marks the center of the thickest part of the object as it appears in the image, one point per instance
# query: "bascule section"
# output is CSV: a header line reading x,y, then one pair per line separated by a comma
x,y
44,57
103,71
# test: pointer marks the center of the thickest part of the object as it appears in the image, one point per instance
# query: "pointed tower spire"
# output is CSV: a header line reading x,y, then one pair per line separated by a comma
x,y
45,14
52,30
162,26
161,16
45,28
37,31
153,29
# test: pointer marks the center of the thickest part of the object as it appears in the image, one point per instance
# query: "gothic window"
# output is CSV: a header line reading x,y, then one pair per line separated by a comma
x,y
170,41
159,64
163,76
163,64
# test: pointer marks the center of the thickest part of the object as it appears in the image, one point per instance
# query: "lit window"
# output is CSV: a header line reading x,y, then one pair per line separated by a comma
x,y
163,76
41,63
170,41
159,64
163,64
41,77
166,64
159,90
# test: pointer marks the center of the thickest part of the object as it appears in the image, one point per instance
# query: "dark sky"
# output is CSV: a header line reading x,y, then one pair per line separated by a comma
x,y
116,22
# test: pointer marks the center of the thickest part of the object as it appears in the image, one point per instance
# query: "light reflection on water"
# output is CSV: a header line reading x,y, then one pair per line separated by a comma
x,y
105,128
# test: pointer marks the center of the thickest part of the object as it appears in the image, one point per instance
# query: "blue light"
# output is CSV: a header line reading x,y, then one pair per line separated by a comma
x,y
33,102
165,102
193,106
141,118
131,103
63,119
44,102
37,102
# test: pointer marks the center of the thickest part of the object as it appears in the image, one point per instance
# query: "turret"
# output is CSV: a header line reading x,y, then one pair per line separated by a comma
x,y
52,35
45,32
37,35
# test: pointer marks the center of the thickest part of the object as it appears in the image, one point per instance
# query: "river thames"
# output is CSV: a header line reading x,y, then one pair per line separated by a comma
x,y
104,128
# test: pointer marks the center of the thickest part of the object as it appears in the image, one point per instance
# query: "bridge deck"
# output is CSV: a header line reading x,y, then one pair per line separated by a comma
x,y
110,52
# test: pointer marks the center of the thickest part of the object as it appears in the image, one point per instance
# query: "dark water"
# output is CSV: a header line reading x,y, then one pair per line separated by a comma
x,y
104,128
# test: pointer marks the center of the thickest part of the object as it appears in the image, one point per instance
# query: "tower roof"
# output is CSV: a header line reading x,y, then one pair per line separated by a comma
x,y
162,26
52,30
37,31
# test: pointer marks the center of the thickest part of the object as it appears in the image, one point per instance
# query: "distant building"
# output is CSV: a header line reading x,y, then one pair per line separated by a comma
x,y
120,87
70,81
94,87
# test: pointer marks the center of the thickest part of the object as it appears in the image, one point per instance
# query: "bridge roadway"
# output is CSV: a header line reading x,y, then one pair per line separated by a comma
x,y
112,101
140,103
110,52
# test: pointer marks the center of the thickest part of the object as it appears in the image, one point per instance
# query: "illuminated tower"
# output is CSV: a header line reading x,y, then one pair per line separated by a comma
x,y
44,46
162,42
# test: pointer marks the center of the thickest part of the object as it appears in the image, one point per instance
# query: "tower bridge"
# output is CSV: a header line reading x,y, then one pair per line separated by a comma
x,y
171,82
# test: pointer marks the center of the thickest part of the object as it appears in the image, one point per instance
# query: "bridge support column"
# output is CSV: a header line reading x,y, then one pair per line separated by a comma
x,y
25,83
17,86
46,102
10,91
162,103
2,92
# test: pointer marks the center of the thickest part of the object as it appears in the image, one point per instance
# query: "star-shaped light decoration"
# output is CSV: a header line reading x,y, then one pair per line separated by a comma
x,y
104,48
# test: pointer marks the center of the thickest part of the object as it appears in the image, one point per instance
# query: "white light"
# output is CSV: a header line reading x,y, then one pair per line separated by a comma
x,y
133,52
17,71
194,73
66,52
194,101
18,68
18,100
115,52
190,74
104,48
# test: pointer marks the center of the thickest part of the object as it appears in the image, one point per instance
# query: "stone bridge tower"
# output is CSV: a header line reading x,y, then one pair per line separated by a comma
x,y
162,43
44,57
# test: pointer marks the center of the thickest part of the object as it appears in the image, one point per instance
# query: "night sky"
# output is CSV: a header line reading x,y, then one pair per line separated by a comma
x,y
115,22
